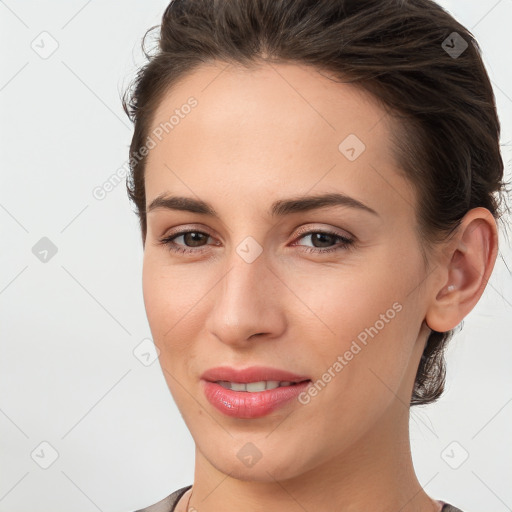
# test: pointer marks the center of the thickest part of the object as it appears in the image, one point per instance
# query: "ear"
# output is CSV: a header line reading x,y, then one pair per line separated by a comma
x,y
467,266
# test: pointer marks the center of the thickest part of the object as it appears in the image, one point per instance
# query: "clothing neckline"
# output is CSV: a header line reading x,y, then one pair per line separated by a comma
x,y
178,494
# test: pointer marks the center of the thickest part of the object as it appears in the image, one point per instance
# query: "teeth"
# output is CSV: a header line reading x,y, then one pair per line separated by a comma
x,y
253,387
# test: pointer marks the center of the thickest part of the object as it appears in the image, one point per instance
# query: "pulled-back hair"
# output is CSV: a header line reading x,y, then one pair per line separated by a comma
x,y
422,66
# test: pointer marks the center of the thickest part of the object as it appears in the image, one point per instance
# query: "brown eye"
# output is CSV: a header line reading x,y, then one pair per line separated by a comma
x,y
194,238
322,241
191,239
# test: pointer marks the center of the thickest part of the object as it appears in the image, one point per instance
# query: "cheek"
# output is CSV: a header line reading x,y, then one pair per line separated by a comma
x,y
163,300
152,291
174,299
351,300
368,318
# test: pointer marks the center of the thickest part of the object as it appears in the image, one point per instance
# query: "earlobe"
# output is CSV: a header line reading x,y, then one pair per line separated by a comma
x,y
471,257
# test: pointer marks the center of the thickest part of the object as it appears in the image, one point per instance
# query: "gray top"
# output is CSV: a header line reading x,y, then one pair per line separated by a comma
x,y
169,503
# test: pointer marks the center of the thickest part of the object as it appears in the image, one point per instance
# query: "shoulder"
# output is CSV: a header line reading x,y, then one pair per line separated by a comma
x,y
168,503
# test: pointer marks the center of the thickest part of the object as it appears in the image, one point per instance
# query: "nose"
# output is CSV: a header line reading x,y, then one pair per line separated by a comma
x,y
247,301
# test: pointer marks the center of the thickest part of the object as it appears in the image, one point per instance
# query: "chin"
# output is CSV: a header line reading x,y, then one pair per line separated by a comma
x,y
257,461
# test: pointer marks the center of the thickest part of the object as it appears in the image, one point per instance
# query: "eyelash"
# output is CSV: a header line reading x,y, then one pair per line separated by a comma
x,y
346,243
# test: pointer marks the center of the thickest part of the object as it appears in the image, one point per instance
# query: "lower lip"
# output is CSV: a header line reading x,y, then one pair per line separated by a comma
x,y
247,405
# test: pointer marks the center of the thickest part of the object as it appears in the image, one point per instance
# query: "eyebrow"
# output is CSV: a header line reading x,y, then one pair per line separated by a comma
x,y
279,208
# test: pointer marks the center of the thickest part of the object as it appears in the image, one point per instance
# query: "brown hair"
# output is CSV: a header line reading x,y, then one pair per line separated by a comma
x,y
403,52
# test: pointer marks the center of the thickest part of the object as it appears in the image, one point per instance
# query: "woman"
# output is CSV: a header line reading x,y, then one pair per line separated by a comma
x,y
317,186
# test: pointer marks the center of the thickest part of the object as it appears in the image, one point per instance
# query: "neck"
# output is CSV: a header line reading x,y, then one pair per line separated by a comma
x,y
376,473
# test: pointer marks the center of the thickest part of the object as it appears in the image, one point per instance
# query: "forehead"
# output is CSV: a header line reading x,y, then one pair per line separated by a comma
x,y
274,128
267,97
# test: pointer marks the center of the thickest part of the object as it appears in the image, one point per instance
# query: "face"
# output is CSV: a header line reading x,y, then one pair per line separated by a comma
x,y
336,293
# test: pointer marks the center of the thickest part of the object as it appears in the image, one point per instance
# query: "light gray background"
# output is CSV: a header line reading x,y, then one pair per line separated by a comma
x,y
71,328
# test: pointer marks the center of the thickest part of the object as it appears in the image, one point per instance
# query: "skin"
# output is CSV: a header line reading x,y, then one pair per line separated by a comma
x,y
257,136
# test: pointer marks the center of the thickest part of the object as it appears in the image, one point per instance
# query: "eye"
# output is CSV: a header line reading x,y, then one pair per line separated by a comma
x,y
196,239
322,237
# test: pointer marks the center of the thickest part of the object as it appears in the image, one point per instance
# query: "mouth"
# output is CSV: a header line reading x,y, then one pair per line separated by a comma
x,y
257,387
252,392
251,400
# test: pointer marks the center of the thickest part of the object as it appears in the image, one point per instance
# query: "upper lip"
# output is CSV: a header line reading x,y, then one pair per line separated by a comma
x,y
250,374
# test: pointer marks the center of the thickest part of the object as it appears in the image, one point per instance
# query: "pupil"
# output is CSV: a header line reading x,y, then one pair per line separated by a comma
x,y
320,235
195,238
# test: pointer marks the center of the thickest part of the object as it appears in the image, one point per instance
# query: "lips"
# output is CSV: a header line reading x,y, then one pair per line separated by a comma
x,y
251,374
251,405
243,400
